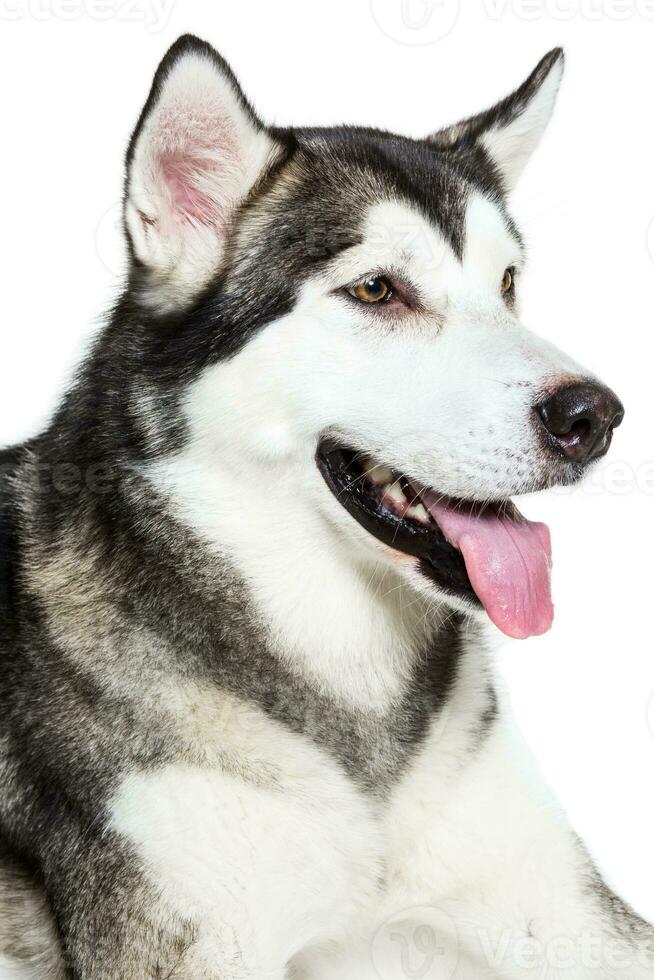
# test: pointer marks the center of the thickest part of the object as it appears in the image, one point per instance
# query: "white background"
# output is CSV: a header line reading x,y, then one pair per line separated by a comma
x,y
73,76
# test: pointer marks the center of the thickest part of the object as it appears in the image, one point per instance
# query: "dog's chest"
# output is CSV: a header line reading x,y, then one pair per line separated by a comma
x,y
257,823
266,829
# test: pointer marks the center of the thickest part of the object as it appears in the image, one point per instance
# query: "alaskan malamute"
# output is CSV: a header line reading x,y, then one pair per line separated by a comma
x,y
249,727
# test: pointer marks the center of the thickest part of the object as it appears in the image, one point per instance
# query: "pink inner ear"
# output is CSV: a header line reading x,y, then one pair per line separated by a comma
x,y
182,176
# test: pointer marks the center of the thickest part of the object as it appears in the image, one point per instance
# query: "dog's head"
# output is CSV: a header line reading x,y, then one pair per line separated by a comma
x,y
336,312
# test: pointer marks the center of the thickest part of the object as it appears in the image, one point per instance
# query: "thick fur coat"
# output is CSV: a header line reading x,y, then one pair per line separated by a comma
x,y
243,735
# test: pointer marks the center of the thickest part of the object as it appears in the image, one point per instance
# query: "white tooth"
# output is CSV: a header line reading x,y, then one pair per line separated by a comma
x,y
418,513
394,491
380,474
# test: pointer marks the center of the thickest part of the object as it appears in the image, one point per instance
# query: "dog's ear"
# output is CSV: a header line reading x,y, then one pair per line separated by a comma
x,y
197,151
511,130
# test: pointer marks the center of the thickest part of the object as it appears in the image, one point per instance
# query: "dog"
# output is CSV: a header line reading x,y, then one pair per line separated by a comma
x,y
250,727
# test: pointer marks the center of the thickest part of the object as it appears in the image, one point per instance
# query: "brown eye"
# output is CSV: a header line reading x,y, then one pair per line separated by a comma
x,y
507,281
374,290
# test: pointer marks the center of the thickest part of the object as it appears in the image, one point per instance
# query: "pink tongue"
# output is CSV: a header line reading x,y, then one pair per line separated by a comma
x,y
508,560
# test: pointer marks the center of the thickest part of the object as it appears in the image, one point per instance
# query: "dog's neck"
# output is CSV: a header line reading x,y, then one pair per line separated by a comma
x,y
131,595
352,626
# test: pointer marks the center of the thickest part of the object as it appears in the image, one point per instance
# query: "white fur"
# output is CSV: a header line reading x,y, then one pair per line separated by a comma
x,y
480,860
237,851
511,145
465,871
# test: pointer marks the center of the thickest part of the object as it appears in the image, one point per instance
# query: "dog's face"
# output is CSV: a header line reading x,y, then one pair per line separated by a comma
x,y
344,308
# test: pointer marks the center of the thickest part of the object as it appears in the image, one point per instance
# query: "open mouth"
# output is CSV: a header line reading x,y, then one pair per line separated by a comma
x,y
488,555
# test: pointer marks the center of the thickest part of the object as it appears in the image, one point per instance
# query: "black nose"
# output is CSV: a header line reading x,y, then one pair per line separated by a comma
x,y
580,419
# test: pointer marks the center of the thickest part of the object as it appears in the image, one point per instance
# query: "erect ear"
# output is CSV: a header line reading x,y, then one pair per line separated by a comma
x,y
197,151
511,130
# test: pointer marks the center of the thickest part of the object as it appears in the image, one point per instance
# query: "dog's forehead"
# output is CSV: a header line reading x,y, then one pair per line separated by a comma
x,y
349,187
366,168
402,232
